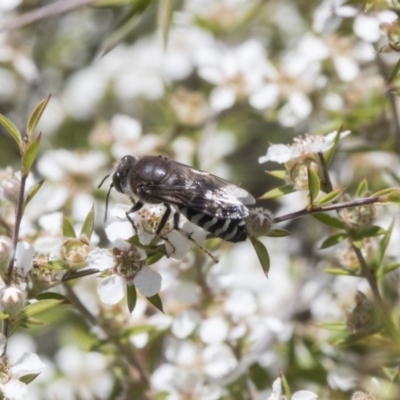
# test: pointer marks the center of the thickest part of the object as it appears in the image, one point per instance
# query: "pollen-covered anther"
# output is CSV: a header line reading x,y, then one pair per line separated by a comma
x,y
259,222
151,220
12,300
128,262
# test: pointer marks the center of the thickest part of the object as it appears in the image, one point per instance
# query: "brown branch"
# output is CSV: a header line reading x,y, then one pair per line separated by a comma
x,y
18,218
50,10
391,97
331,207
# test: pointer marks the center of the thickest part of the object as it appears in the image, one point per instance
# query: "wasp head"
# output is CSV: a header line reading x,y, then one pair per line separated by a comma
x,y
120,178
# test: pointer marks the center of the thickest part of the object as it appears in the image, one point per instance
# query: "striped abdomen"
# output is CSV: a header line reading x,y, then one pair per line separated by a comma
x,y
231,230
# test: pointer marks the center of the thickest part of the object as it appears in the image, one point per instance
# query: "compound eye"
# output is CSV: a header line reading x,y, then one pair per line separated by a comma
x,y
116,178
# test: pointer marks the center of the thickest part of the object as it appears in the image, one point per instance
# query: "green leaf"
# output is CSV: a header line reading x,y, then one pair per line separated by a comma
x,y
338,326
126,26
333,240
362,188
53,296
156,301
392,197
383,243
3,316
39,307
35,116
314,185
131,297
30,154
369,231
329,197
153,258
88,224
33,192
137,330
68,229
57,265
262,254
286,388
330,153
384,191
278,233
277,192
280,174
329,220
339,271
11,129
387,268
28,378
395,71
165,18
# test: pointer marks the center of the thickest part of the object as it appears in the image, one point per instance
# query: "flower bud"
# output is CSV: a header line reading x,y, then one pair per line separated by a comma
x,y
75,252
362,396
360,216
12,300
11,189
6,252
298,170
362,319
259,222
393,34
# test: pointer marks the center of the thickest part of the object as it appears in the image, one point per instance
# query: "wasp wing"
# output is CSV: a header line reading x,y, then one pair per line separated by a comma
x,y
203,192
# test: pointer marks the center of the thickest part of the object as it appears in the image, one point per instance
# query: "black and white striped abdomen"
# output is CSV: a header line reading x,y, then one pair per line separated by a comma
x,y
231,230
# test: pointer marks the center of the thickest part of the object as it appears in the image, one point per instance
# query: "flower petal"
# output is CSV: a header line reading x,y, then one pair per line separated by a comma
x,y
14,389
148,282
27,364
24,256
276,390
119,230
304,395
111,290
101,259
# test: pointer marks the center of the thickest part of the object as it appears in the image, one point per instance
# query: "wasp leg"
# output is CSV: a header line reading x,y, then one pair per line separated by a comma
x,y
162,223
189,237
176,220
134,208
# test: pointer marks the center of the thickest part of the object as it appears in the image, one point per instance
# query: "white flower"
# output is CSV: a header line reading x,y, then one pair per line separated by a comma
x,y
300,395
58,165
127,134
281,153
85,375
127,267
235,72
28,364
146,221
